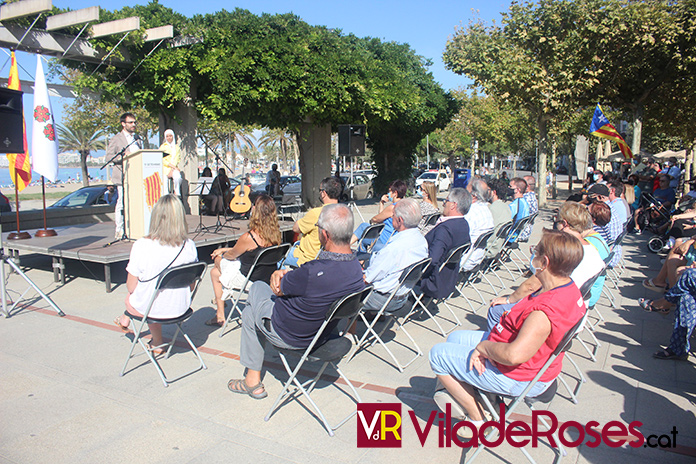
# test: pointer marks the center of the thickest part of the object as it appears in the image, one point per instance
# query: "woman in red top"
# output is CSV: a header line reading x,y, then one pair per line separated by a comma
x,y
507,358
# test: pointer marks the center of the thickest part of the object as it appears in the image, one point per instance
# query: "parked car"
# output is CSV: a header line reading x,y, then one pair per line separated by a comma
x,y
285,180
368,172
84,197
362,187
440,179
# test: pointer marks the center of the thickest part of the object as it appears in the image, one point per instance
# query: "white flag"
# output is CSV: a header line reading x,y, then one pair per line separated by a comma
x,y
44,143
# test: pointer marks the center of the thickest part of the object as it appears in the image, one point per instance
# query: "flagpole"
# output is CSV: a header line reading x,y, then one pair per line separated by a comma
x,y
18,235
44,232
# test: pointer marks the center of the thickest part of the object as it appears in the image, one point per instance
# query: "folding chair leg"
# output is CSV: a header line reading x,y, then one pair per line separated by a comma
x,y
590,353
570,392
235,309
306,388
581,376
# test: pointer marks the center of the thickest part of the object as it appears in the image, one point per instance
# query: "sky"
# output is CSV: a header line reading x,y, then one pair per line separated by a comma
x,y
425,26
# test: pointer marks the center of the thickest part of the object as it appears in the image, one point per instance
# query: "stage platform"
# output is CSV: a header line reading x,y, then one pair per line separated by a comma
x,y
90,242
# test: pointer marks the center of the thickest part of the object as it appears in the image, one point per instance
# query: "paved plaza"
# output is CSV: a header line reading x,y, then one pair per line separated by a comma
x,y
62,400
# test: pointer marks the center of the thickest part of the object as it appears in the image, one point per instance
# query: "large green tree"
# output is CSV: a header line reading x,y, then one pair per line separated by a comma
x,y
536,60
280,72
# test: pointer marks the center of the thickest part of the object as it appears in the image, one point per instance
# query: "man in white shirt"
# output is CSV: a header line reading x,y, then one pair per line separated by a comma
x,y
480,221
405,247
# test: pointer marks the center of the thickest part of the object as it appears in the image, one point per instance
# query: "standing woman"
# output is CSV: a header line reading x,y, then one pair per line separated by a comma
x,y
232,265
428,205
171,160
164,247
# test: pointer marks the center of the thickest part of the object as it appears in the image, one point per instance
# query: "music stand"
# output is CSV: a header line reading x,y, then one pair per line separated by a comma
x,y
201,189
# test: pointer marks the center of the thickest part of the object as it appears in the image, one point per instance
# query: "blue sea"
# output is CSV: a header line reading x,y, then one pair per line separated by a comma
x,y
65,175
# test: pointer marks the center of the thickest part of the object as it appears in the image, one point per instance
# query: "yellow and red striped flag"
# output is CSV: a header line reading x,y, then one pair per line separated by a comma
x,y
153,189
601,127
19,162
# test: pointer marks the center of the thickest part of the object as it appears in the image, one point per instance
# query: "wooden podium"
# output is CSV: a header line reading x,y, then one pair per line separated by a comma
x,y
143,185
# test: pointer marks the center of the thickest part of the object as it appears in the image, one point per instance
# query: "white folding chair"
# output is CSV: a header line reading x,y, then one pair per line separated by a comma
x,y
322,350
408,279
266,262
453,260
177,277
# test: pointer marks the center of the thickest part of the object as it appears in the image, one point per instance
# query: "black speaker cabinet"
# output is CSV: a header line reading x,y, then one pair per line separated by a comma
x,y
11,118
351,140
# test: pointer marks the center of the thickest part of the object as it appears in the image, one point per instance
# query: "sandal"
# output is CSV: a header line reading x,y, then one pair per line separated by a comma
x,y
669,354
240,386
650,285
117,321
214,321
650,307
156,351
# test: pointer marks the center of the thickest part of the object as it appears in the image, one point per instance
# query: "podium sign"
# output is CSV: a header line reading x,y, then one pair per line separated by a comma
x,y
143,186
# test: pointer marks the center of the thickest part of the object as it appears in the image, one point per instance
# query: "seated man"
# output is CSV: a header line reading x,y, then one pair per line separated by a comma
x,y
501,215
308,246
451,231
406,247
289,312
519,208
480,221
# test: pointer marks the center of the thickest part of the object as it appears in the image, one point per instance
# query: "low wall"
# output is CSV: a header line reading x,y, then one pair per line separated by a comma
x,y
58,217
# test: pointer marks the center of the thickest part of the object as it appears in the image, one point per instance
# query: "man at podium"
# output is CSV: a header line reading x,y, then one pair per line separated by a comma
x,y
122,143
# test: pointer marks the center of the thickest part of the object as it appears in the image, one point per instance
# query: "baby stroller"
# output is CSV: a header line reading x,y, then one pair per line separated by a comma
x,y
658,243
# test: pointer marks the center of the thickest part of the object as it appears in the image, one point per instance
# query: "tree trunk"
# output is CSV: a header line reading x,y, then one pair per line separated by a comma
x,y
83,165
688,166
553,169
542,124
315,160
637,128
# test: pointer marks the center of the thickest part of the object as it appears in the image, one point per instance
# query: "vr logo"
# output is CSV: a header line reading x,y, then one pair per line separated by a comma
x,y
379,425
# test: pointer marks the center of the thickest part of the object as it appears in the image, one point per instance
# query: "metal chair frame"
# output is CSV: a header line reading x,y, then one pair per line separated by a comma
x,y
269,256
346,307
522,398
408,279
453,259
176,277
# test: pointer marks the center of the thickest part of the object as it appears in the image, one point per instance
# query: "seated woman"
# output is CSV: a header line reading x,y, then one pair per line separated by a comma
x,y
170,161
683,295
682,255
601,215
164,247
232,265
505,359
395,192
428,205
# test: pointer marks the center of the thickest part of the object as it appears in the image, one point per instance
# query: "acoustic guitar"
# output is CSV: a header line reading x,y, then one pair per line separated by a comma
x,y
241,204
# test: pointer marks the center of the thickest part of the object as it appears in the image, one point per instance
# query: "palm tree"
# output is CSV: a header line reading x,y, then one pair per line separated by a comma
x,y
82,141
227,135
282,139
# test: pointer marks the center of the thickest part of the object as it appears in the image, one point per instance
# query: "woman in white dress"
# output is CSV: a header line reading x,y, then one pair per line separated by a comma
x,y
170,161
164,247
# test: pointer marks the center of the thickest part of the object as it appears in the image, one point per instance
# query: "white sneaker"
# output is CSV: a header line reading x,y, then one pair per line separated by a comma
x,y
467,433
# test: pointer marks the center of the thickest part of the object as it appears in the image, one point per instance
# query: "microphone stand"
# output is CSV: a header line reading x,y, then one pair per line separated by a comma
x,y
219,224
122,199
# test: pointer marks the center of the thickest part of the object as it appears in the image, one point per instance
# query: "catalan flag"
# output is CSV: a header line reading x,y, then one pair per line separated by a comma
x,y
601,127
20,167
153,189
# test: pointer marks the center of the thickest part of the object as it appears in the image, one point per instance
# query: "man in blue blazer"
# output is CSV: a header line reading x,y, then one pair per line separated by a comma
x,y
451,231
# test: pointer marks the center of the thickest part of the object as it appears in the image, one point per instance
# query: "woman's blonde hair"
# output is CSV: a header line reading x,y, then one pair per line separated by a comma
x,y
563,251
576,215
264,220
168,221
429,188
